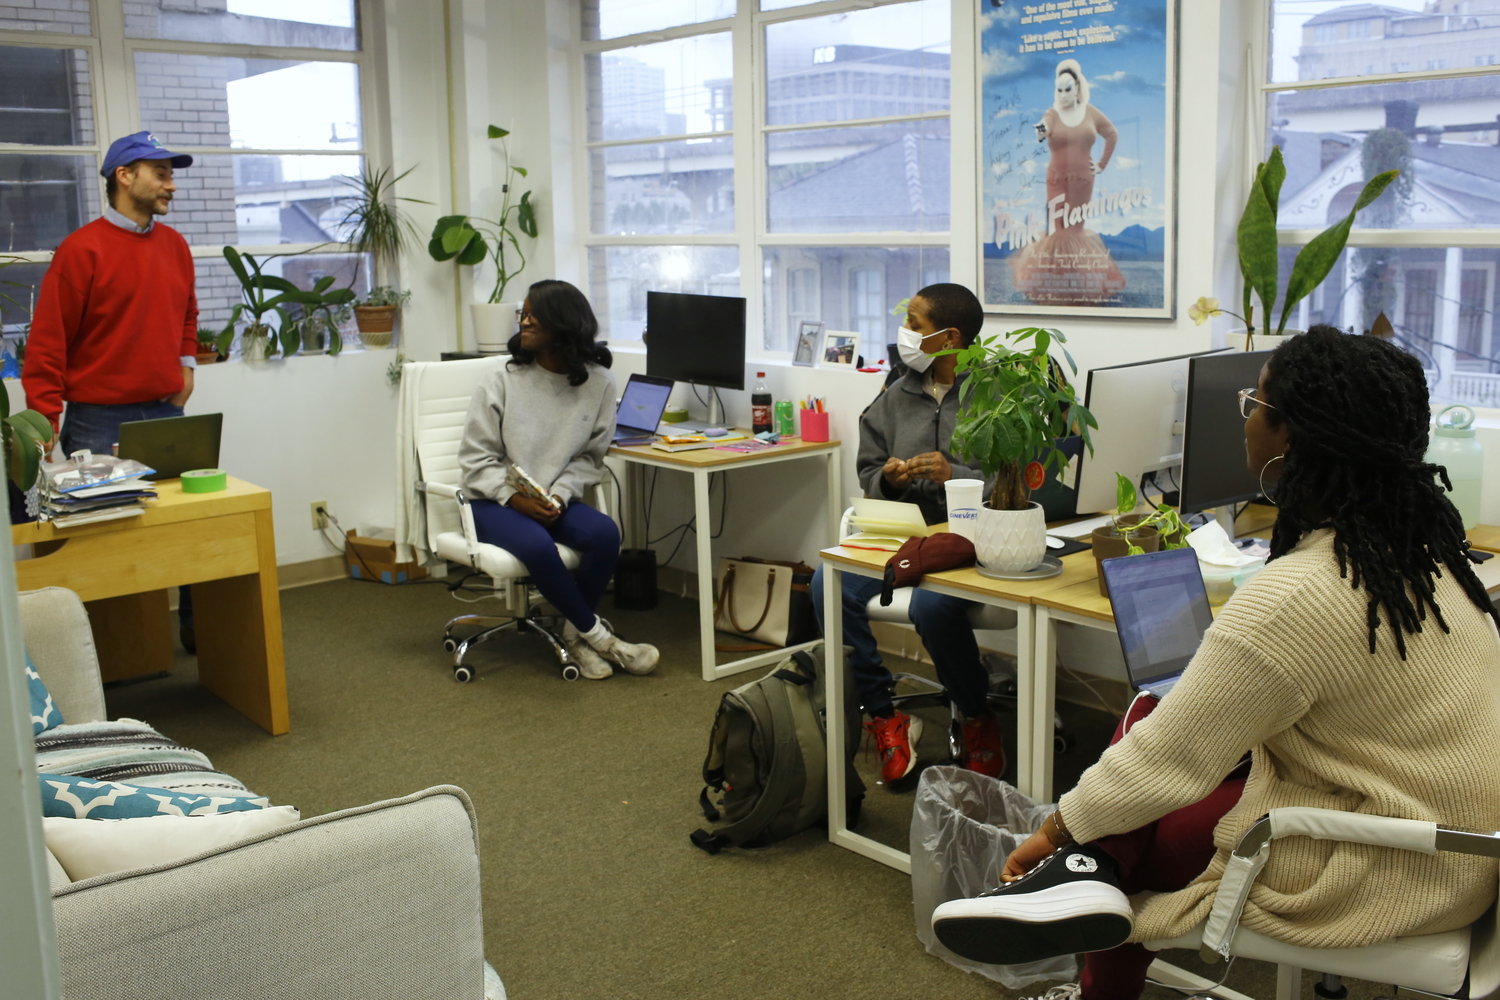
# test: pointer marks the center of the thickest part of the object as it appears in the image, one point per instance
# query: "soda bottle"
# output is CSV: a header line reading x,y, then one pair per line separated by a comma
x,y
760,406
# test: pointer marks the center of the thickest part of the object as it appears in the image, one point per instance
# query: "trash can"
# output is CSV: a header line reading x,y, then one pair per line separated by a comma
x,y
963,827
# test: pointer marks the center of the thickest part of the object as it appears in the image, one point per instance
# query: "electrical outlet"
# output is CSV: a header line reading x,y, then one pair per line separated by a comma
x,y
320,514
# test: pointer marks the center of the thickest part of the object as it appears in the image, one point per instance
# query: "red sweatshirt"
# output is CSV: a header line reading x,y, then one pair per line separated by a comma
x,y
115,316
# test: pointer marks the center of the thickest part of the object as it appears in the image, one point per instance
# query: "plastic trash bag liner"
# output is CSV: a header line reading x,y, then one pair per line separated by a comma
x,y
963,827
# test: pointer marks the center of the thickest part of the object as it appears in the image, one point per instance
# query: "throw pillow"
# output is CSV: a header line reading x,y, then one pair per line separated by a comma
x,y
89,847
44,713
81,798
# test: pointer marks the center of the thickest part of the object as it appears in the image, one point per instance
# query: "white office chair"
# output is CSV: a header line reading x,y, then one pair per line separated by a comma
x,y
442,394
1462,963
982,617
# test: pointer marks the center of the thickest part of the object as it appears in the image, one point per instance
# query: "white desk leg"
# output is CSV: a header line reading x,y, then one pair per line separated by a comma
x,y
1026,721
705,545
1044,702
832,472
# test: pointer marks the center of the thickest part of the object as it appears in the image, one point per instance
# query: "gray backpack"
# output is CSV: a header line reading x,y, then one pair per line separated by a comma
x,y
767,760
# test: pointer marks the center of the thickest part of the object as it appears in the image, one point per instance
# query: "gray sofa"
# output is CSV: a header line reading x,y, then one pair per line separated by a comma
x,y
378,901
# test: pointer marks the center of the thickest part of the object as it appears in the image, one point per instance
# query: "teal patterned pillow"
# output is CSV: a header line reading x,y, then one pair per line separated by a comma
x,y
44,712
70,797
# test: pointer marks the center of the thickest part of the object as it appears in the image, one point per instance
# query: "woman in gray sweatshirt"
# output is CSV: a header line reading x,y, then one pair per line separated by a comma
x,y
550,409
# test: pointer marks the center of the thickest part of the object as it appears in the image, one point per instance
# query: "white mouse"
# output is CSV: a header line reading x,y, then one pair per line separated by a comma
x,y
1055,543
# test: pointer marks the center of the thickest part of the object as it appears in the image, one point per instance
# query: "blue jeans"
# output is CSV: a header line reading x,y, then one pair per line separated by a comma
x,y
594,536
943,624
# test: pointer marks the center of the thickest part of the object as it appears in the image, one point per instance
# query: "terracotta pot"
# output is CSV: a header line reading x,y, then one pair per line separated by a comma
x,y
208,357
375,319
1108,545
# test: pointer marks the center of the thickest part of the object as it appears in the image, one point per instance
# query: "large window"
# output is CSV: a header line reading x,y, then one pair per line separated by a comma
x,y
226,81
1355,89
823,176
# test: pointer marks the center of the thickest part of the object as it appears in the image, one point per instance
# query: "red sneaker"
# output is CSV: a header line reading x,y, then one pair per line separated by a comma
x,y
984,750
896,744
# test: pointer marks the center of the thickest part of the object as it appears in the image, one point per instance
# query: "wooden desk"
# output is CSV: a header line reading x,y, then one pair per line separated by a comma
x,y
220,543
700,463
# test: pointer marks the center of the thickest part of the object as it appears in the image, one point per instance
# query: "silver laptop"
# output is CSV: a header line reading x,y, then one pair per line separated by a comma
x,y
173,445
1161,612
641,406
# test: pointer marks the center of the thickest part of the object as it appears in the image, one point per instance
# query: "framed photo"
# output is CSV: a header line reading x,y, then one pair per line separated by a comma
x,y
1078,158
809,336
840,349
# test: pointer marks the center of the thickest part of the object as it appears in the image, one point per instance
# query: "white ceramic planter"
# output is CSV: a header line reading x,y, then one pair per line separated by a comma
x,y
494,325
1011,541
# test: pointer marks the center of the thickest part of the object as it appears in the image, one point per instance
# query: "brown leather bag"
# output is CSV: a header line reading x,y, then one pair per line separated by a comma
x,y
767,600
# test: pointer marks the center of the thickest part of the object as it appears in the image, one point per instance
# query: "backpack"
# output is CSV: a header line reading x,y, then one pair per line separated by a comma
x,y
767,759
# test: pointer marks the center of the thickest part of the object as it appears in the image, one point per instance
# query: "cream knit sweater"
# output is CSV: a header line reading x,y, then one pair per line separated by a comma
x,y
1286,672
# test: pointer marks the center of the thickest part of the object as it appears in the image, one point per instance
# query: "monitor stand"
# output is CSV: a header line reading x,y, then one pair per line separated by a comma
x,y
1225,516
715,417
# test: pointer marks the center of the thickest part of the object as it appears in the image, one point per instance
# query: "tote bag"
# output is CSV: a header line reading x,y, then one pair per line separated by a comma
x,y
765,600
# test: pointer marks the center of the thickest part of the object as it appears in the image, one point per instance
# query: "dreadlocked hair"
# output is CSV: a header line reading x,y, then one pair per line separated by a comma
x,y
1357,412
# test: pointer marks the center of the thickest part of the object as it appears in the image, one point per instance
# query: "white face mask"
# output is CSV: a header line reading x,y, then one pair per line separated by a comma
x,y
909,346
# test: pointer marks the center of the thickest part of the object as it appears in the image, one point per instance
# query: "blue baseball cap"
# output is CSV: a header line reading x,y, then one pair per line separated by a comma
x,y
140,146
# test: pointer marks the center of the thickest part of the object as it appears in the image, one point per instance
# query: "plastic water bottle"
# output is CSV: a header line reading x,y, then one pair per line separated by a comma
x,y
1455,446
761,414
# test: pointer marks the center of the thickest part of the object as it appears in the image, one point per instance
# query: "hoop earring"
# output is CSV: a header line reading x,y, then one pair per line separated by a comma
x,y
1263,491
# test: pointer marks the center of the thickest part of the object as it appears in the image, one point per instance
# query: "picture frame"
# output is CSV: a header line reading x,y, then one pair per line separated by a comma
x,y
840,349
1059,234
809,339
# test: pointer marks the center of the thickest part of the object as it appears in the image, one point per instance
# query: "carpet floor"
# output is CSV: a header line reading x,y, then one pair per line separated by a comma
x,y
586,793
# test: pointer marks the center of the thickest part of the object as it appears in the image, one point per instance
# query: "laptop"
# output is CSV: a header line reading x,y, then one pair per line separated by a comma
x,y
641,406
1161,612
173,445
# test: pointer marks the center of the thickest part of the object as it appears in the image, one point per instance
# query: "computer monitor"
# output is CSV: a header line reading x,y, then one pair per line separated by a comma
x,y
1213,457
1140,408
696,338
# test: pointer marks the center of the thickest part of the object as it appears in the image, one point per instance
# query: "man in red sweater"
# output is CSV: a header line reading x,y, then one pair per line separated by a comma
x,y
115,330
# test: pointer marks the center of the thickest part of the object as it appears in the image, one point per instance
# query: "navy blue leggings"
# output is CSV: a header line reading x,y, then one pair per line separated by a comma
x,y
581,528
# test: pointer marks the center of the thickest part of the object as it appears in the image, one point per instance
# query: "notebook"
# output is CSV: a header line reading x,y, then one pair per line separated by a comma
x,y
173,445
641,406
1161,612
884,524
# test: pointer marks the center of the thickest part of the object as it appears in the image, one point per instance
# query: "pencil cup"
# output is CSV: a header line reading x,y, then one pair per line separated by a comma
x,y
814,426
964,496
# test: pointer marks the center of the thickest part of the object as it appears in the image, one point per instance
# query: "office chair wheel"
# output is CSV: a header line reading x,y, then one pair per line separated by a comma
x,y
1061,743
570,672
449,644
463,673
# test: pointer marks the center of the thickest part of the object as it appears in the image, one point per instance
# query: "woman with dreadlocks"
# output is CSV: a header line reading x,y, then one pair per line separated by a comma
x,y
1359,671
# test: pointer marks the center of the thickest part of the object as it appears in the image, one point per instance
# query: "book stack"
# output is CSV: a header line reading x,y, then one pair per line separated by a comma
x,y
94,488
884,525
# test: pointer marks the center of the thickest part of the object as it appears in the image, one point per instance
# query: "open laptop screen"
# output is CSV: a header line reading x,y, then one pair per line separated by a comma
x,y
1161,611
643,402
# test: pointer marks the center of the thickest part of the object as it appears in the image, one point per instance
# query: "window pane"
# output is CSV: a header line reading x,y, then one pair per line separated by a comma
x,y
1441,135
618,18
47,98
874,63
69,17
44,198
1319,40
259,200
670,88
194,100
667,188
783,4
845,288
620,277
18,288
303,24
878,178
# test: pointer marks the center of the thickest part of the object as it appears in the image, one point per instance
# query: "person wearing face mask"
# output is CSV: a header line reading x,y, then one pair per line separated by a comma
x,y
904,441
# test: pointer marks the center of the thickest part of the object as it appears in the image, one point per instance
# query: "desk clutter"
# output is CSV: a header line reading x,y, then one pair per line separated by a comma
x,y
87,488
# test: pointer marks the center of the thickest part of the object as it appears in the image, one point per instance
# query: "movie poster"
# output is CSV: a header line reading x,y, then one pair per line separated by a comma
x,y
1077,101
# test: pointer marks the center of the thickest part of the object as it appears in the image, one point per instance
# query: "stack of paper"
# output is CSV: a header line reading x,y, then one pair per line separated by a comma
x,y
884,524
104,488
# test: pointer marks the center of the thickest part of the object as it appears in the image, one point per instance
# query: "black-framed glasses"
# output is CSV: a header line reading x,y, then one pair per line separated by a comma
x,y
1249,401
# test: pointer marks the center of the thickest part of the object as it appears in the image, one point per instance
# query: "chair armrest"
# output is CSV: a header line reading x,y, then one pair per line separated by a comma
x,y
378,901
465,515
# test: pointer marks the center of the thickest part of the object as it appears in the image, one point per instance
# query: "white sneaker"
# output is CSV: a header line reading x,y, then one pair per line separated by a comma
x,y
636,658
1067,991
590,664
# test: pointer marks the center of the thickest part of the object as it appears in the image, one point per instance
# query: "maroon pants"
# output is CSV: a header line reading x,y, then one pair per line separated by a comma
x,y
1163,857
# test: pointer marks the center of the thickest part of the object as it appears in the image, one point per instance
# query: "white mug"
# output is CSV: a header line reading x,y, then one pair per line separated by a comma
x,y
964,498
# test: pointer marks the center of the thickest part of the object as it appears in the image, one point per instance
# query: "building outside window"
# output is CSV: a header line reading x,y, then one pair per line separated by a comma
x,y
838,166
1425,252
224,80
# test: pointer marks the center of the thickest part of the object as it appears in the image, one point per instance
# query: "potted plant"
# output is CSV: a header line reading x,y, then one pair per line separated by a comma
x,y
320,326
376,316
1259,251
468,240
26,438
260,340
374,224
1131,533
1013,408
208,351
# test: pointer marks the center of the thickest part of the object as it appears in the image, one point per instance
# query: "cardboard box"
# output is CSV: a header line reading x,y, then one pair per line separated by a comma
x,y
375,559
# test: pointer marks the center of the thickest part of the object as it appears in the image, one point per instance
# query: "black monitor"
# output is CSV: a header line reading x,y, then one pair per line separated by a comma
x,y
1213,449
696,338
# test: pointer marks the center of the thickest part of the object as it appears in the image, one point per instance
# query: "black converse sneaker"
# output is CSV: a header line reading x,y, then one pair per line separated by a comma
x,y
1069,903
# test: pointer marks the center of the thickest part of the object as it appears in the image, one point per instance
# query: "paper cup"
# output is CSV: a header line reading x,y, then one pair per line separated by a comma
x,y
964,498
